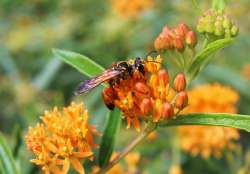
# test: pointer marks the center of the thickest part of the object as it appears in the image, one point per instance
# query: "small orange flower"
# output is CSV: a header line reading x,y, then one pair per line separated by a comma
x,y
62,139
209,140
145,95
131,8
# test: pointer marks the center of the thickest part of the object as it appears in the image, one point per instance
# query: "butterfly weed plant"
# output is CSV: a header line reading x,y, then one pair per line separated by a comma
x,y
140,91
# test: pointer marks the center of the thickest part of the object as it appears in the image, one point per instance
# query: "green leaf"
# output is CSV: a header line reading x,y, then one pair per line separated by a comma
x,y
109,137
218,5
202,57
17,133
211,119
7,163
82,63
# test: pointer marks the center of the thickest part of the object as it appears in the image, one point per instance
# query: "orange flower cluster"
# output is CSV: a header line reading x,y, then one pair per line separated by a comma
x,y
209,140
149,94
176,38
62,139
131,8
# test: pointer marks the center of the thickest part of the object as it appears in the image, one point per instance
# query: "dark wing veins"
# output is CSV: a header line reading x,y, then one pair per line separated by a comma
x,y
95,81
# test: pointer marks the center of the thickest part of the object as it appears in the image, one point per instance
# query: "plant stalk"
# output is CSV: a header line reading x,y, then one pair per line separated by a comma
x,y
147,130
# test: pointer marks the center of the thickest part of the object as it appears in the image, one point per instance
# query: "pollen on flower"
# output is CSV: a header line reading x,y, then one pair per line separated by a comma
x,y
131,8
62,139
209,140
145,96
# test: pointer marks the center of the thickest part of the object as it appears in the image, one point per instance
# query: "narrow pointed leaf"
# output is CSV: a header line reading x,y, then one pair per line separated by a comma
x,y
211,119
82,63
202,57
109,137
7,163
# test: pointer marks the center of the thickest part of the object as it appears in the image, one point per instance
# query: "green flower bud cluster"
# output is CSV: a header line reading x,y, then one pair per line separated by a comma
x,y
218,24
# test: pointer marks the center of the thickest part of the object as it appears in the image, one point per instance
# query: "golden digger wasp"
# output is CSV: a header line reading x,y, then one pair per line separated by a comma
x,y
121,70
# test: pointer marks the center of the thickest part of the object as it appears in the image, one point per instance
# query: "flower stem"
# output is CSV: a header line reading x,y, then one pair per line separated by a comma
x,y
147,130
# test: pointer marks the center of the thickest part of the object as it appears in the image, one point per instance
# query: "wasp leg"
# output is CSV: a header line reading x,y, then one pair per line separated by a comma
x,y
141,69
108,96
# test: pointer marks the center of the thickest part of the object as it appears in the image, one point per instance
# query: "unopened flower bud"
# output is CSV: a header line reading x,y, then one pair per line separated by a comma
x,y
234,31
158,44
191,39
181,100
141,88
145,106
178,43
209,27
219,30
167,110
166,31
219,19
182,29
179,32
200,26
227,23
163,76
180,82
228,33
167,42
217,23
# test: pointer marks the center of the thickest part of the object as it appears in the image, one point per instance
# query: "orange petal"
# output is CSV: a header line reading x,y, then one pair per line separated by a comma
x,y
59,162
45,170
129,122
90,140
136,124
82,154
50,146
54,169
66,165
77,165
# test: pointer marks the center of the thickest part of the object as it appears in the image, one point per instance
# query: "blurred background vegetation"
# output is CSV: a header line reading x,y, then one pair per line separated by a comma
x,y
32,80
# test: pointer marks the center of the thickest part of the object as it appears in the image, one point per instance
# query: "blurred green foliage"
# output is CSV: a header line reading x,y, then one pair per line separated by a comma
x,y
32,80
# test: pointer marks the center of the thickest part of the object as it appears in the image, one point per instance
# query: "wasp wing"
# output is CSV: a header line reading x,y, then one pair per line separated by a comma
x,y
95,81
